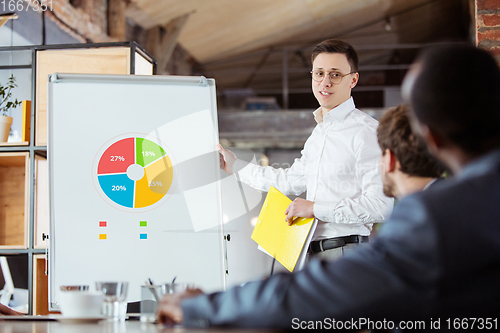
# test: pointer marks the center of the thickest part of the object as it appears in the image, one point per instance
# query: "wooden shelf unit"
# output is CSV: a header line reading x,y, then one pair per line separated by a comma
x,y
24,208
14,200
41,213
40,304
114,60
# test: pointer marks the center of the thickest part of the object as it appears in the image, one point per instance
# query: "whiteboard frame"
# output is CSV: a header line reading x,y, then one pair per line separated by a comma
x,y
135,79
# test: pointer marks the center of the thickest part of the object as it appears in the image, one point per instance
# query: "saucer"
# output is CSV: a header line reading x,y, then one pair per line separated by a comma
x,y
76,320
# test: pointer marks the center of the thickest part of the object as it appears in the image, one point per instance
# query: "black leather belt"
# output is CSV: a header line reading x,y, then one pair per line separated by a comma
x,y
332,243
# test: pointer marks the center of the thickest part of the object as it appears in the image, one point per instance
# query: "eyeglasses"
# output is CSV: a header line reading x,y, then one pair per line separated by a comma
x,y
335,77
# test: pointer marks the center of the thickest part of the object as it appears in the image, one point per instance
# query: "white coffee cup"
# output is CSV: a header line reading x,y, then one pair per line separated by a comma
x,y
81,304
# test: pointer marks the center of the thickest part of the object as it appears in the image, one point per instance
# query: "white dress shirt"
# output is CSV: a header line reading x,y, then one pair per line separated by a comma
x,y
338,169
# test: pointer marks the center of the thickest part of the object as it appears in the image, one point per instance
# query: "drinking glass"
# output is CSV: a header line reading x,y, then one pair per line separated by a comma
x,y
115,299
151,295
172,288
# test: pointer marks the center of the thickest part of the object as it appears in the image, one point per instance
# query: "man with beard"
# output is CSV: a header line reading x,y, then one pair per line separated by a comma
x,y
405,165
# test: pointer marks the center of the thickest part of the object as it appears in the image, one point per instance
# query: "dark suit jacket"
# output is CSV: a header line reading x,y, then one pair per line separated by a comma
x,y
438,256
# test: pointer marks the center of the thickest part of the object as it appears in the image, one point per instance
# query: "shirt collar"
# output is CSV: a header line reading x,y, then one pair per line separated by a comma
x,y
429,184
338,113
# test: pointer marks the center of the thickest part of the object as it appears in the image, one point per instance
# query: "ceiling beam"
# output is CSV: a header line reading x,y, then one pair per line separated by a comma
x,y
257,68
169,40
4,18
362,47
116,19
246,70
308,90
348,31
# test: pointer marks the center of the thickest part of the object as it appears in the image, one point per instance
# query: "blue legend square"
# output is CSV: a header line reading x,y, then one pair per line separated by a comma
x,y
143,236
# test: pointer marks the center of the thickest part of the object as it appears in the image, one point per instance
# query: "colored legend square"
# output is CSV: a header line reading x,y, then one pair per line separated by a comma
x,y
103,236
143,236
103,224
143,223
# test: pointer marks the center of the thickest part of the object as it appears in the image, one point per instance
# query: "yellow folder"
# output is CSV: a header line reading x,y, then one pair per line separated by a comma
x,y
273,233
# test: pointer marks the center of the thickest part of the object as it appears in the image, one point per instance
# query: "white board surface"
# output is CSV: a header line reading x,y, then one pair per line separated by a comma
x,y
134,182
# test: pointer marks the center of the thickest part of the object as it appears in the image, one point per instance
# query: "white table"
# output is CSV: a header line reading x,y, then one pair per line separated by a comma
x,y
27,326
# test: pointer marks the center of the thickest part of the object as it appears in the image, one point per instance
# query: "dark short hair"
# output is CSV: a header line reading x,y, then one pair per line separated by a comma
x,y
456,93
337,46
394,132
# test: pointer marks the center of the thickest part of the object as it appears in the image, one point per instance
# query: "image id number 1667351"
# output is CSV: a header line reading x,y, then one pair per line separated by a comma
x,y
25,5
472,323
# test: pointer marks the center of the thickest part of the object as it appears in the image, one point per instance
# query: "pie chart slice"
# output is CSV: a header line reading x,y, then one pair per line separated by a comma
x,y
147,151
119,188
135,172
118,157
155,183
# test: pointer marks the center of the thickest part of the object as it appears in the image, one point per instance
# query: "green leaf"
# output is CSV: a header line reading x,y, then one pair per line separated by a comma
x,y
5,94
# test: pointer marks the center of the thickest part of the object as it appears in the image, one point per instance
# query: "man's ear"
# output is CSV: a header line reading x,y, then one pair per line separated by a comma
x,y
354,80
390,161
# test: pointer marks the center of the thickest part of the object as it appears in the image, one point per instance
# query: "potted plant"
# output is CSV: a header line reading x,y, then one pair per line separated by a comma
x,y
5,106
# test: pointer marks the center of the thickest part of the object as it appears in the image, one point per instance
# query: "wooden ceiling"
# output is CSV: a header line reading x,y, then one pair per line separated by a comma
x,y
240,42
221,28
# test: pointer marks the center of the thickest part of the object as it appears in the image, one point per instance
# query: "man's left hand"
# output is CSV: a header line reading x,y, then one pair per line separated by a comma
x,y
299,208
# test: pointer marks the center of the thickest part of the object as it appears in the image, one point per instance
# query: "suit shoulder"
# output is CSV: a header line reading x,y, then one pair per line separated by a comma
x,y
462,198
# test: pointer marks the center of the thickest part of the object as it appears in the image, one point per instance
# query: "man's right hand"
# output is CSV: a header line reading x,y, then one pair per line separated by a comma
x,y
170,310
226,159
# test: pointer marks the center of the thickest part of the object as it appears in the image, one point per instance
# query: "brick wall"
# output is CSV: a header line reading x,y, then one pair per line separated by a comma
x,y
488,26
87,22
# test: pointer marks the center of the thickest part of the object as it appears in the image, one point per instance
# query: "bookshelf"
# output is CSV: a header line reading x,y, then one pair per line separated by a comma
x,y
24,192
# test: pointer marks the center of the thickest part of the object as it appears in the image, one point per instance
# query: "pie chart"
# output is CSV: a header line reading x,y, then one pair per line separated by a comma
x,y
135,172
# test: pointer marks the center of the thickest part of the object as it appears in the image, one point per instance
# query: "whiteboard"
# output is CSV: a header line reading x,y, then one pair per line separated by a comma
x,y
133,182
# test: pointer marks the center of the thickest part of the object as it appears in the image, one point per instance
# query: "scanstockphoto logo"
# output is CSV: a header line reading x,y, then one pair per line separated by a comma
x,y
239,199
359,324
199,178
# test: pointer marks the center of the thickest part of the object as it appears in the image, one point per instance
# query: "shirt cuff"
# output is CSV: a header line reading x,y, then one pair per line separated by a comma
x,y
322,212
242,167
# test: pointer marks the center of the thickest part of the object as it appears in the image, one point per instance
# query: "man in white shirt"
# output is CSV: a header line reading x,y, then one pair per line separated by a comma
x,y
339,163
406,165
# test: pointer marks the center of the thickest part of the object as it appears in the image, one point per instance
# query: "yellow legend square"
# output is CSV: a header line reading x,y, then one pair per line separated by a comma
x,y
103,236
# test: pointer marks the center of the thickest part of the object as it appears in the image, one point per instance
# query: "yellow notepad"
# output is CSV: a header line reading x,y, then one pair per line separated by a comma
x,y
273,233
